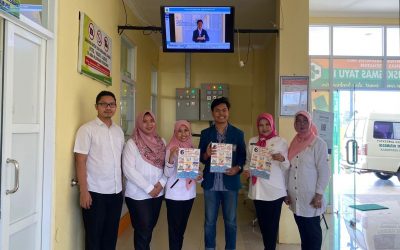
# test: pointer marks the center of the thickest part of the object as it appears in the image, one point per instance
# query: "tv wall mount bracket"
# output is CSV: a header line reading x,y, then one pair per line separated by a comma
x,y
158,29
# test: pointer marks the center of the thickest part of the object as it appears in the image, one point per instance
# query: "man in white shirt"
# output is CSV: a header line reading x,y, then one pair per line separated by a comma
x,y
98,148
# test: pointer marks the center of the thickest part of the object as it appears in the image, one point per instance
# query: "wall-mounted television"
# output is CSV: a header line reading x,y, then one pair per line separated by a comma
x,y
197,29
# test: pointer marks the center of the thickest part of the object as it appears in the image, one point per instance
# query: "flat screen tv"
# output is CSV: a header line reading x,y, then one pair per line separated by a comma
x,y
197,29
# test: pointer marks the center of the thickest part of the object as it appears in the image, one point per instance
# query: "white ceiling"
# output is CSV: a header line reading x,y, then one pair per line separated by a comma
x,y
355,8
254,14
257,14
261,14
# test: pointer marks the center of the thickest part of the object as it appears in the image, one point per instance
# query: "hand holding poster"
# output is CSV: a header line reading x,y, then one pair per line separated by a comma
x,y
188,163
260,163
221,159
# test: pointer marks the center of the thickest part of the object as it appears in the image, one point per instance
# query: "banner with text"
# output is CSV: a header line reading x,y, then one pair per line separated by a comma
x,y
95,51
359,73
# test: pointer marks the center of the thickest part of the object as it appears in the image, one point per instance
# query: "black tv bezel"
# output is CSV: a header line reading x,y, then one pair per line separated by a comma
x,y
164,44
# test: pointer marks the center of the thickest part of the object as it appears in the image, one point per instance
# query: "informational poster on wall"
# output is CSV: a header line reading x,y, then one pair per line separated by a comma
x,y
324,122
188,163
95,49
10,6
221,160
294,94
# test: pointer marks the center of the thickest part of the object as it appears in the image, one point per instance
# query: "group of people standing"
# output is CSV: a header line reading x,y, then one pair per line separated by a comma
x,y
299,176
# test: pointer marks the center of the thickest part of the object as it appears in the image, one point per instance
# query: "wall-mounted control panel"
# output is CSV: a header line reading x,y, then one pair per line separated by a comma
x,y
187,104
209,92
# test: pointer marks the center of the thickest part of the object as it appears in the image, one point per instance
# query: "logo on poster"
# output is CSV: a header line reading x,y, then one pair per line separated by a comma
x,y
316,72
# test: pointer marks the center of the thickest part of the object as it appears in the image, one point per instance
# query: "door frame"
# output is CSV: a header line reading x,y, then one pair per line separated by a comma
x,y
11,32
50,35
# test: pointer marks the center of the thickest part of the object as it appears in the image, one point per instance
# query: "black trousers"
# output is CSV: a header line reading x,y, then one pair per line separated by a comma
x,y
101,221
178,215
144,215
310,232
268,215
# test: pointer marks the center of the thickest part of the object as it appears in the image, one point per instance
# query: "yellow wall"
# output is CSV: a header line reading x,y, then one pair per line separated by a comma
x,y
293,60
251,88
76,97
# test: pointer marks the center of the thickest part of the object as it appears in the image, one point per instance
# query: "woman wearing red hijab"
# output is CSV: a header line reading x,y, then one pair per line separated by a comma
x,y
143,162
179,193
309,175
269,194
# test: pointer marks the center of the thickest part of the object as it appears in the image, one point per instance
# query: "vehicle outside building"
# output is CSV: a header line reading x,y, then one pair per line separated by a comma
x,y
373,145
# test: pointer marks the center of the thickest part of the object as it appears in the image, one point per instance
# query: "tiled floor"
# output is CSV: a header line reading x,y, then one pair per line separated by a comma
x,y
368,189
248,237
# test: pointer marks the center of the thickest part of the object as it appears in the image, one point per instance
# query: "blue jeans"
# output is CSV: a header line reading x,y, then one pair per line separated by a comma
x,y
212,201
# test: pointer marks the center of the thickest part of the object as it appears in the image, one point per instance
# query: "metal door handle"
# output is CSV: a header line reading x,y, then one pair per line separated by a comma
x,y
16,176
74,182
354,148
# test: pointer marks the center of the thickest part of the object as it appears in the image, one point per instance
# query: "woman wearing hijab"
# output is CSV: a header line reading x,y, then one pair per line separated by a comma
x,y
309,175
269,194
179,193
143,162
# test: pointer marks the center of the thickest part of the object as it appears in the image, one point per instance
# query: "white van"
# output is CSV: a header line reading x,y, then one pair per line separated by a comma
x,y
378,145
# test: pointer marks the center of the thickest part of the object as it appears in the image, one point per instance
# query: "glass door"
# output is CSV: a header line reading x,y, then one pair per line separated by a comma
x,y
368,167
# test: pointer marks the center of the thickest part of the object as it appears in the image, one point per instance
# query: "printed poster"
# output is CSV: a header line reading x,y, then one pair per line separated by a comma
x,y
188,163
294,94
222,159
324,123
260,163
95,49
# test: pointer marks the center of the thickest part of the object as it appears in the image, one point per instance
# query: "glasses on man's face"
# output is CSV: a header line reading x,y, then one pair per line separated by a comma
x,y
105,105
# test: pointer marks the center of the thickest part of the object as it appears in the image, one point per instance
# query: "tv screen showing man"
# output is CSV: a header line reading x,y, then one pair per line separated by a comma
x,y
200,35
197,29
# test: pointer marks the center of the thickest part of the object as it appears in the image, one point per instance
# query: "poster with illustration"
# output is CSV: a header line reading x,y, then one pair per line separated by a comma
x,y
221,159
188,163
260,163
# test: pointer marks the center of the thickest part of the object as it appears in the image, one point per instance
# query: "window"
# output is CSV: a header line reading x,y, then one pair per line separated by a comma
x,y
319,73
393,73
393,41
387,130
357,41
320,100
361,57
363,73
358,132
154,91
35,10
319,40
128,69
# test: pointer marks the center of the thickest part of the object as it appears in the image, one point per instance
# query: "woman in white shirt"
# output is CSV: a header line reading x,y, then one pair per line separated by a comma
x,y
309,175
269,193
179,192
143,162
